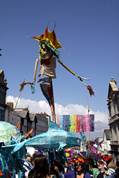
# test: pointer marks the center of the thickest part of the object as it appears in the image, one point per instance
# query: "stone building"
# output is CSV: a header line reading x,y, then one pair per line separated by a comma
x,y
22,118
3,90
113,108
106,141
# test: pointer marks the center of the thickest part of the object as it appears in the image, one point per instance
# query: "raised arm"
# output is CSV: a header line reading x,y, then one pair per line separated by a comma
x,y
35,69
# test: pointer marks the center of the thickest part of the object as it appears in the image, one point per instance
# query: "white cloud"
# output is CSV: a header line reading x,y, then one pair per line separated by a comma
x,y
34,106
42,106
101,116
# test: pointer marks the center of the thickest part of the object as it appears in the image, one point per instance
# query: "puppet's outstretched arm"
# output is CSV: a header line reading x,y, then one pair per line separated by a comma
x,y
35,70
71,71
24,83
82,79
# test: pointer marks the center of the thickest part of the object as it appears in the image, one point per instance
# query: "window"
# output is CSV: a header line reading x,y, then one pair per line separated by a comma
x,y
2,114
117,99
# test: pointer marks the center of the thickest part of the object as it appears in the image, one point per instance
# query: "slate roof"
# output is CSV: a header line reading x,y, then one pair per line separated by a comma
x,y
32,116
22,113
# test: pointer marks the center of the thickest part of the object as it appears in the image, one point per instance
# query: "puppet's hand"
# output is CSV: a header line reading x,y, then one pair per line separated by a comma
x,y
33,82
24,83
21,86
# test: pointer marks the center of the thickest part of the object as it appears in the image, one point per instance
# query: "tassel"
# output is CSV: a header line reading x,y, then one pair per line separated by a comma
x,y
32,88
90,90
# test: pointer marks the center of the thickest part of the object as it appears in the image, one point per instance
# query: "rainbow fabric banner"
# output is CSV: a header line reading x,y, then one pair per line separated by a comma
x,y
76,123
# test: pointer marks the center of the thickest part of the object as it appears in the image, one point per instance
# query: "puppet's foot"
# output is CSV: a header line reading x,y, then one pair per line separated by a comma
x,y
53,117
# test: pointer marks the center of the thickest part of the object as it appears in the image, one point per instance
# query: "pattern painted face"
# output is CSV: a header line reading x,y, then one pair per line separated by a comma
x,y
45,52
44,47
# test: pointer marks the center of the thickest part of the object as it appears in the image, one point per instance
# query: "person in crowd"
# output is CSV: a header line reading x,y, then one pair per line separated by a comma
x,y
117,169
40,169
69,171
102,166
111,169
56,170
81,172
27,164
94,171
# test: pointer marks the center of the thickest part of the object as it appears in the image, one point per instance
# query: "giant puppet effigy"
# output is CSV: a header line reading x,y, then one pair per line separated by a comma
x,y
49,55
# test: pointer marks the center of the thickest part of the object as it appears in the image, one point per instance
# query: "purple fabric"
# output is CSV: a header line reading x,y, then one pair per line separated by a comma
x,y
69,174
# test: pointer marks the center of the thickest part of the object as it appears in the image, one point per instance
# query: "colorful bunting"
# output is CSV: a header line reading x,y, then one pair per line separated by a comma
x,y
76,123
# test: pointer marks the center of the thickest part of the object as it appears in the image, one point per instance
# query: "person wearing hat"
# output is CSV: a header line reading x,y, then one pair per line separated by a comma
x,y
102,166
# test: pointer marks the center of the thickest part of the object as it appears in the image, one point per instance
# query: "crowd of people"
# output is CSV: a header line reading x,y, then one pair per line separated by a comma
x,y
38,166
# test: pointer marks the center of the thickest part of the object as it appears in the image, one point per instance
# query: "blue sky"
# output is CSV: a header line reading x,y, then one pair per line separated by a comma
x,y
89,33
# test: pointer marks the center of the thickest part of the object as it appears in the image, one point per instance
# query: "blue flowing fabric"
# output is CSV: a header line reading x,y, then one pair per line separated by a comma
x,y
54,136
15,145
12,148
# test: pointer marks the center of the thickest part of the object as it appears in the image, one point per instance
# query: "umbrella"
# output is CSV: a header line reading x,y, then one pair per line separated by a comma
x,y
54,137
7,131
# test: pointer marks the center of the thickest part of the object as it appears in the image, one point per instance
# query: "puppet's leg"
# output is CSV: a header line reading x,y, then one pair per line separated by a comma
x,y
52,104
47,90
